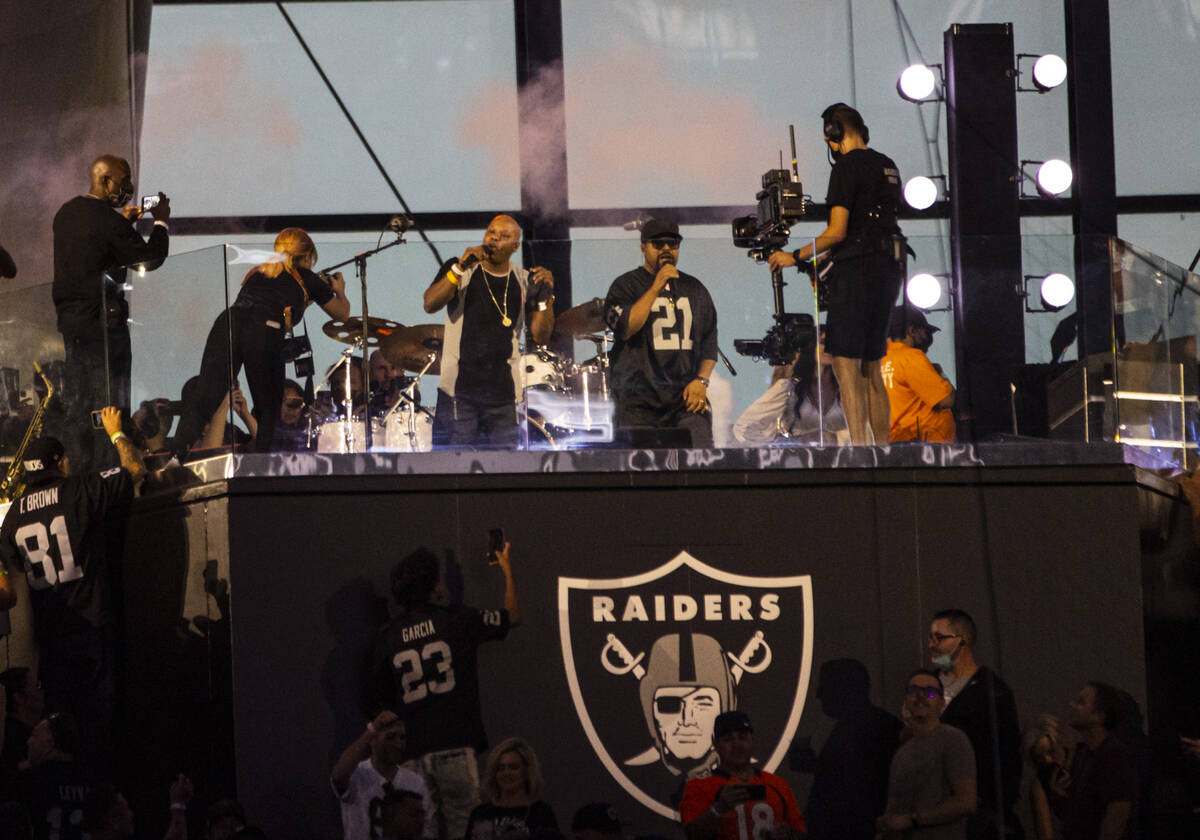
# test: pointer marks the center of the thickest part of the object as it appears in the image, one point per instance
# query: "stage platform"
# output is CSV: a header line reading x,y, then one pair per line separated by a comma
x,y
254,595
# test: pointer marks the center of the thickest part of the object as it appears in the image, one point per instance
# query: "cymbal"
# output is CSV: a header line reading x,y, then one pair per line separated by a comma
x,y
349,330
409,347
581,320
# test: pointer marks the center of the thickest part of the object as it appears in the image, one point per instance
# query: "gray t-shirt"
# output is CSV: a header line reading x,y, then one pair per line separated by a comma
x,y
922,776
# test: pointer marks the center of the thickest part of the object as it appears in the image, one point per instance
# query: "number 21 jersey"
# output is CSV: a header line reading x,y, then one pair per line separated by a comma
x,y
425,668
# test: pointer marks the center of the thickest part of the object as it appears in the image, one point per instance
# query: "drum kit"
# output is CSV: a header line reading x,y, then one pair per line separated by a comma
x,y
567,404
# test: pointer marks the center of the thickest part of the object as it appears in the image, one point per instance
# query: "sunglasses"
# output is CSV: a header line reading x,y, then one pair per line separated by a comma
x,y
294,402
665,242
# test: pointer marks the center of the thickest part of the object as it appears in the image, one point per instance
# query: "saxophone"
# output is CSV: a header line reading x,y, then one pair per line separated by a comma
x,y
13,483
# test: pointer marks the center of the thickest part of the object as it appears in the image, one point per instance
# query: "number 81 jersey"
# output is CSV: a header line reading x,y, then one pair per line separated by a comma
x,y
59,533
425,670
653,365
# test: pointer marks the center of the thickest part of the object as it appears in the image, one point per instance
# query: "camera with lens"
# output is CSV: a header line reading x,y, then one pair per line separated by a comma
x,y
794,332
297,349
781,202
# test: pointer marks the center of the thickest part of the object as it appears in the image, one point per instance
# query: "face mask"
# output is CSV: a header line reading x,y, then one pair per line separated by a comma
x,y
943,661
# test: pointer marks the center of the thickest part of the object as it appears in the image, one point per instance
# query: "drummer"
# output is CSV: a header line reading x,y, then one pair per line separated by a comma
x,y
486,298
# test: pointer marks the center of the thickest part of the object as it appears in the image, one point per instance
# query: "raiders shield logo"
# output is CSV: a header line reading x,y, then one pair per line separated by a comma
x,y
652,660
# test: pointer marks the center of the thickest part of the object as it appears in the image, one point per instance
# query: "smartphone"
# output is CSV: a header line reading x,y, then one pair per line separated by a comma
x,y
756,792
149,202
495,544
97,421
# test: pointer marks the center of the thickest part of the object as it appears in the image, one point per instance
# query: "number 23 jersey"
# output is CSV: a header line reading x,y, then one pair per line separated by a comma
x,y
61,533
425,670
653,365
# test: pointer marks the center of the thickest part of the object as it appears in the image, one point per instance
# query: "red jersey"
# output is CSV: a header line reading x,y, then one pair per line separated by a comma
x,y
750,820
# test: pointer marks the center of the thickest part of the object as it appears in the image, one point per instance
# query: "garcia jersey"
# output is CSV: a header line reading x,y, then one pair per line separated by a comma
x,y
61,532
751,820
653,366
425,670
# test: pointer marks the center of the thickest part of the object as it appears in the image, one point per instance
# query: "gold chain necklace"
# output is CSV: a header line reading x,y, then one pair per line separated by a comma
x,y
504,319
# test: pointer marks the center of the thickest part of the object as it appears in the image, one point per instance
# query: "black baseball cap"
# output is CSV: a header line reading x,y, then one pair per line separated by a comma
x,y
656,228
729,722
42,455
597,816
904,316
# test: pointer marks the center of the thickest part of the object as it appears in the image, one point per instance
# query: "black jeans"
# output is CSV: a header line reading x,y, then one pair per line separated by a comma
x,y
89,387
462,421
699,425
240,337
78,672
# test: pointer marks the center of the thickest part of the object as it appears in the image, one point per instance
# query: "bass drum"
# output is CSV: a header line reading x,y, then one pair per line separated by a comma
x,y
332,437
543,369
405,431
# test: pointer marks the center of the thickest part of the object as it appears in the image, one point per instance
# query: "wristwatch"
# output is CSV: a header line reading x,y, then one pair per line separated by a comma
x,y
703,380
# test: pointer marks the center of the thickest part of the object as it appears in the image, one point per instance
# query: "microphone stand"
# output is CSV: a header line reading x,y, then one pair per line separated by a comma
x,y
360,268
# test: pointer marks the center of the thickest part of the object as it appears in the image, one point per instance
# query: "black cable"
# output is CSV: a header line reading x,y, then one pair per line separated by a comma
x,y
362,138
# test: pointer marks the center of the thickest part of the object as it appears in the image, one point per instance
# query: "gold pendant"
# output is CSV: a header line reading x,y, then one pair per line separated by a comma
x,y
506,321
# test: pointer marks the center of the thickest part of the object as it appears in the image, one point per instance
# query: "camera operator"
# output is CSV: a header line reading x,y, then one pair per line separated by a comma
x,y
274,296
93,240
868,255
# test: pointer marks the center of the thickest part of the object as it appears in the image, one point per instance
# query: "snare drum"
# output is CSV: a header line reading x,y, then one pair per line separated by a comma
x,y
406,430
543,369
332,437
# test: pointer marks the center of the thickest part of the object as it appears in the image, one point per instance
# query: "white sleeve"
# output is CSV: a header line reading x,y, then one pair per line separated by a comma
x,y
759,422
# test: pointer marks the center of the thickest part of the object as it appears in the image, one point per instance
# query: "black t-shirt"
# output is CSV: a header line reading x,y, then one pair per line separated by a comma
x,y
484,372
91,238
16,734
652,366
53,794
866,183
425,670
491,822
283,290
61,532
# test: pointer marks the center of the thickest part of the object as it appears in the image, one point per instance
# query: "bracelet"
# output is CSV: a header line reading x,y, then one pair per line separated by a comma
x,y
116,436
453,276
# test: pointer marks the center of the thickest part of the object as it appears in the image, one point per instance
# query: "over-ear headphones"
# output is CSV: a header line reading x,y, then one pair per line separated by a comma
x,y
835,129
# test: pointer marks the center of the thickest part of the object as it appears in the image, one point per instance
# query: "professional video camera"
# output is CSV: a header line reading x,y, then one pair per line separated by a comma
x,y
781,202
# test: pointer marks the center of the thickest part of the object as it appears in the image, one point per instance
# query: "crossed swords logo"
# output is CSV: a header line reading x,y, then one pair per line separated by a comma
x,y
627,663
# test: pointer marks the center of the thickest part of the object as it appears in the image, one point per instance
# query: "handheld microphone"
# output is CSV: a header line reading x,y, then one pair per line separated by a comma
x,y
468,262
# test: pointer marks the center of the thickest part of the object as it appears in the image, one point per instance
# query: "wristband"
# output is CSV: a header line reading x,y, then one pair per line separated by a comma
x,y
796,256
453,275
114,438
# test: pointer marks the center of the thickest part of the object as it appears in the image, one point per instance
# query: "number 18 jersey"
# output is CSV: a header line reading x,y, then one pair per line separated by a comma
x,y
425,669
652,366
59,533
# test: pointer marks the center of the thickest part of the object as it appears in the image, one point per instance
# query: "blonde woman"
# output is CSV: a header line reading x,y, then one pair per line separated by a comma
x,y
513,780
250,333
1045,748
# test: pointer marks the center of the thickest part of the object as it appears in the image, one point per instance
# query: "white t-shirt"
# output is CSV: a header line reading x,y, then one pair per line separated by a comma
x,y
362,801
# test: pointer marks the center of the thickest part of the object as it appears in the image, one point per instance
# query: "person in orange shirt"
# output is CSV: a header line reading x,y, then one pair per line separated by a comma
x,y
739,800
922,400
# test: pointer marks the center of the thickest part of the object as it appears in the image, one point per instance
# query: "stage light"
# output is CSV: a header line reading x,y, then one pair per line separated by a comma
x,y
1054,177
920,192
1057,290
923,291
916,83
1049,71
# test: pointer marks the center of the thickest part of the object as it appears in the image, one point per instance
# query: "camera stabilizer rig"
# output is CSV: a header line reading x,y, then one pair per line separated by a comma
x,y
781,202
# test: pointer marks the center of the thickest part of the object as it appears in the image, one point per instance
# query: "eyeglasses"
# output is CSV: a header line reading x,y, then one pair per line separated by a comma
x,y
938,638
929,692
665,242
294,402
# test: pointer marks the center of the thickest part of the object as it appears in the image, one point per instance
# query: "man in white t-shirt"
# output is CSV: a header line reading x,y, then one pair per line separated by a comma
x,y
367,771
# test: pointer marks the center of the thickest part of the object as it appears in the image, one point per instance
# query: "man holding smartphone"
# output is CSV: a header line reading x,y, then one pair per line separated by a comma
x,y
738,800
94,242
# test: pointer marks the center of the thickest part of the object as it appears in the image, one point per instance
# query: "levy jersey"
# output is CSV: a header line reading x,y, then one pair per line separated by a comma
x,y
425,670
57,534
652,366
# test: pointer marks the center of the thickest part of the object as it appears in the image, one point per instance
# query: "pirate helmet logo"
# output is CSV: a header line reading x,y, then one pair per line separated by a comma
x,y
674,656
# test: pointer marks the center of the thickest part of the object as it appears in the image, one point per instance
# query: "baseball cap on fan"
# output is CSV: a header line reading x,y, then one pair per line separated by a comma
x,y
42,456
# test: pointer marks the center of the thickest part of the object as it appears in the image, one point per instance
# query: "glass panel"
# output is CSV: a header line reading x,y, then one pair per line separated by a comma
x,y
672,104
238,122
1157,308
